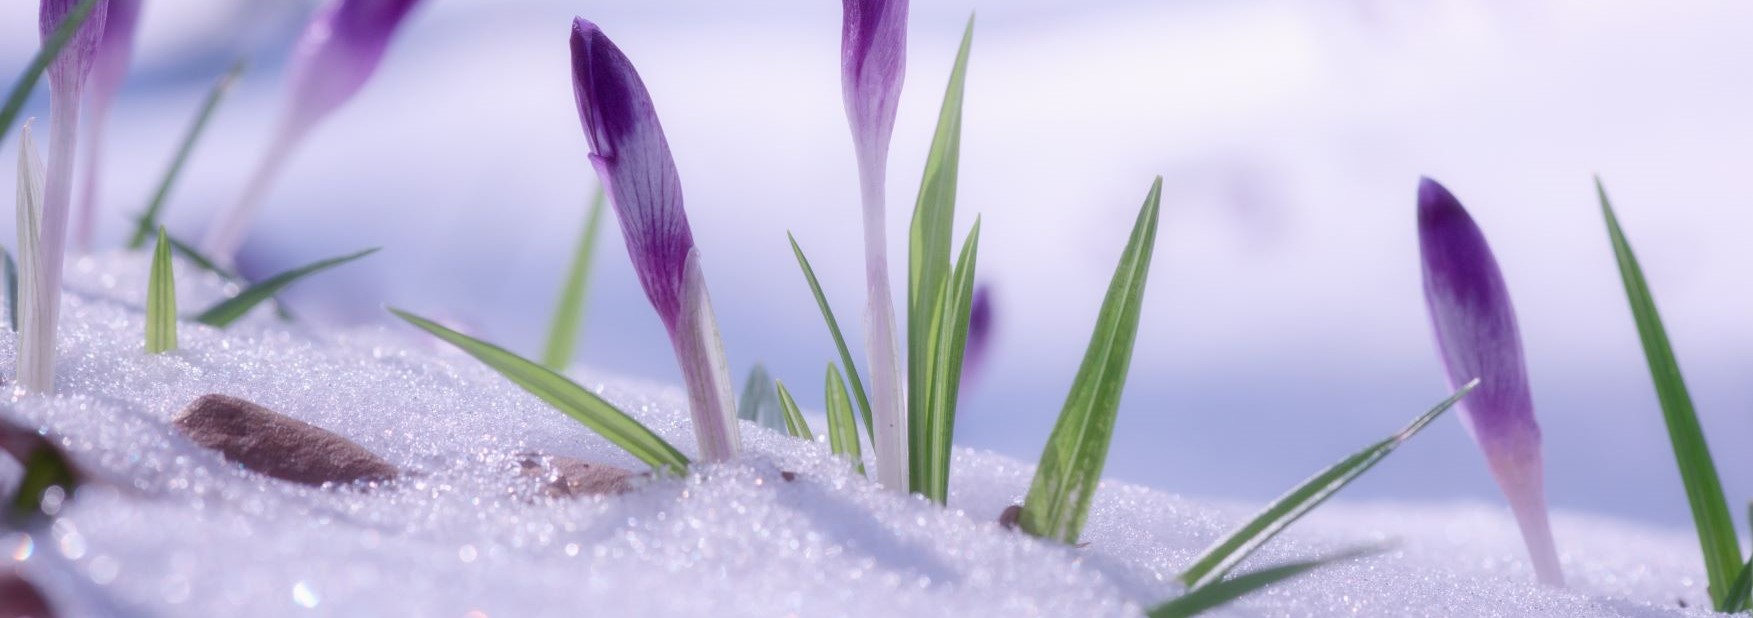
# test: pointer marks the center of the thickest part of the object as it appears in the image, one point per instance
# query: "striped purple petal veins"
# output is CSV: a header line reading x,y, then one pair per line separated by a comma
x,y
873,60
336,55
632,159
109,69
73,65
1476,335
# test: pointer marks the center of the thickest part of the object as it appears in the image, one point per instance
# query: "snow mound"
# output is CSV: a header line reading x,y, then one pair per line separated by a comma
x,y
181,532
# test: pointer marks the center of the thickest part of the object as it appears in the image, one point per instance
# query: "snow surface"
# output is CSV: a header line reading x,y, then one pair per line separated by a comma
x,y
184,533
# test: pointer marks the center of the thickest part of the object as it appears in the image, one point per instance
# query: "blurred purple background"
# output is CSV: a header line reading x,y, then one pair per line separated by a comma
x,y
1284,326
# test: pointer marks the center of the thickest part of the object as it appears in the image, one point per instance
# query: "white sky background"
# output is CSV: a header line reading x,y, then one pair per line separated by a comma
x,y
1284,326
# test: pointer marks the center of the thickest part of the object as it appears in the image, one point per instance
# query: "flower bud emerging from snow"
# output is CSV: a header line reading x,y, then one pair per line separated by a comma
x,y
633,160
1477,337
337,54
873,59
109,69
68,72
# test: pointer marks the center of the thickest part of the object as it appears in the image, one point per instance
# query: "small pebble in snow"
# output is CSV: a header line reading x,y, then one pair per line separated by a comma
x,y
271,443
1011,515
566,477
19,599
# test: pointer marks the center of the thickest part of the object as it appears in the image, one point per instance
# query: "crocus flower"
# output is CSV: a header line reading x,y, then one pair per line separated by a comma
x,y
1477,337
980,324
109,69
337,54
67,75
873,59
633,161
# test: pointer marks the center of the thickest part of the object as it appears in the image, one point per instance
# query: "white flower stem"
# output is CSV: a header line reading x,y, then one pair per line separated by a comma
x,y
700,351
888,408
89,172
227,234
1521,476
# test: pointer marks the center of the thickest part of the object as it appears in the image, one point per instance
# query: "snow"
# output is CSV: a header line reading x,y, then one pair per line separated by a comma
x,y
180,532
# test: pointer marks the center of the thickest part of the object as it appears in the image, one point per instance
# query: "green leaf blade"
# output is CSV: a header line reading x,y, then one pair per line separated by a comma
x,y
149,220
569,315
40,62
842,428
809,275
944,372
1071,465
1205,598
1224,555
224,313
161,300
566,396
1704,489
760,402
794,423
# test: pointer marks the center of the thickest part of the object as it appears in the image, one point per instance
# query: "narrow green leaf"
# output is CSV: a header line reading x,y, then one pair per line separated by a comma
x,y
11,268
949,336
1224,555
149,220
759,402
40,62
45,468
842,429
566,396
794,423
229,310
928,260
1704,492
1071,464
809,274
194,257
1205,598
563,330
161,300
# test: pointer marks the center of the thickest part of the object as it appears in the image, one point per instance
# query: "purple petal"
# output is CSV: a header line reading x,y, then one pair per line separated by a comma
x,y
114,50
1477,336
633,159
980,327
337,54
873,60
73,64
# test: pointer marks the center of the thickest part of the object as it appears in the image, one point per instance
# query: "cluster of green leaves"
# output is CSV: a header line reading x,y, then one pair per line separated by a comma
x,y
1730,578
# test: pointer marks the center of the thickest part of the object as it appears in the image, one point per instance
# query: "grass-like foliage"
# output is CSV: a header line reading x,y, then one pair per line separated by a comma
x,y
1704,491
1216,561
794,423
569,315
809,274
566,396
39,63
223,314
759,402
161,300
842,429
939,295
1205,598
149,221
1071,465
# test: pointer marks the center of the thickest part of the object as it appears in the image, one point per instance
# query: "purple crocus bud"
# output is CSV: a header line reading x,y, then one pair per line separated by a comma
x,y
980,325
633,161
69,70
1477,337
336,55
109,69
873,60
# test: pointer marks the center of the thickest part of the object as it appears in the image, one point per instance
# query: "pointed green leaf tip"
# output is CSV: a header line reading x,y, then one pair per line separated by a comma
x,y
809,274
933,349
1200,600
1217,560
794,423
229,310
1071,465
161,300
565,395
569,315
1704,492
842,429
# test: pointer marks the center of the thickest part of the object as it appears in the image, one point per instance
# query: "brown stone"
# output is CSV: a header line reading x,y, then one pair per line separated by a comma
x,y
565,477
19,599
279,446
1011,516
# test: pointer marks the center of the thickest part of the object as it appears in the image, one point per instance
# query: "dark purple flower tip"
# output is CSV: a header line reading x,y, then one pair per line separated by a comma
x,y
873,60
980,327
338,52
74,63
1474,321
110,66
633,160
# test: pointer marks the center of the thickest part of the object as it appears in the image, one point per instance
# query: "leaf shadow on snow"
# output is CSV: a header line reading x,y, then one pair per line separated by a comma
x,y
854,527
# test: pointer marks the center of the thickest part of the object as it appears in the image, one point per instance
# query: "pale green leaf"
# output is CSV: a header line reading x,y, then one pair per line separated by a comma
x,y
569,315
1205,598
842,429
161,300
223,314
794,423
759,402
809,274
